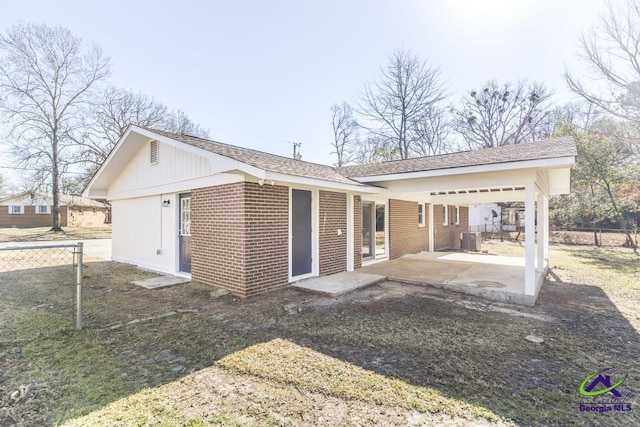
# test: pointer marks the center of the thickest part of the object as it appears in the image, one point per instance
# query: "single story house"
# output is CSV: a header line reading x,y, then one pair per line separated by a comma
x,y
30,209
251,222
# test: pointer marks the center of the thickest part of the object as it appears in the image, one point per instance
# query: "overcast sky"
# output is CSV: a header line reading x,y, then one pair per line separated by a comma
x,y
259,74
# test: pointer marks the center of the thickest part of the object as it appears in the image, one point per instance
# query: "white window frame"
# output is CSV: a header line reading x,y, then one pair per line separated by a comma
x,y
457,215
154,145
185,216
421,221
445,215
47,211
20,210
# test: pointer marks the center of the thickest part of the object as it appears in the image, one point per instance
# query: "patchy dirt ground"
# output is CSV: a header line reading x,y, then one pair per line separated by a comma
x,y
391,354
42,233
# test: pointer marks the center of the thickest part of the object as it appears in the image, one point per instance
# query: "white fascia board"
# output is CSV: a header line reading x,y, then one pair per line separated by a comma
x,y
95,194
177,187
219,163
493,167
301,180
87,190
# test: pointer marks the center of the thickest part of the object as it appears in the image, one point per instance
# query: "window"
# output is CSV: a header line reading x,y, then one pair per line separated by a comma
x,y
16,210
445,215
420,215
43,209
95,211
457,215
185,220
153,152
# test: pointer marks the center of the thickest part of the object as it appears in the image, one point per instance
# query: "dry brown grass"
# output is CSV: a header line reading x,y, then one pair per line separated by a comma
x,y
391,354
13,234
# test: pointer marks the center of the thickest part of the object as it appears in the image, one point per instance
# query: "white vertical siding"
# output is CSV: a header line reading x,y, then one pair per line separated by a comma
x,y
174,166
141,227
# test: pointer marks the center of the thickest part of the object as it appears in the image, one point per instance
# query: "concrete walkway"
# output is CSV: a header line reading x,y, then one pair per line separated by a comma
x,y
338,284
161,282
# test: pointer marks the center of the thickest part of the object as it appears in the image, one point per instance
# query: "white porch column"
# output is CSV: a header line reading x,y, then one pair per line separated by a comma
x,y
432,237
350,232
543,232
529,239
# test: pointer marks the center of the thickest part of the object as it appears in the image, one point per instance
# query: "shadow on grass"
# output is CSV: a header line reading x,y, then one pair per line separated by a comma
x,y
399,332
621,260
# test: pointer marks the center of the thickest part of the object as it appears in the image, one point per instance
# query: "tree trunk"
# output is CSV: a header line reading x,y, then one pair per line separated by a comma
x,y
595,235
55,185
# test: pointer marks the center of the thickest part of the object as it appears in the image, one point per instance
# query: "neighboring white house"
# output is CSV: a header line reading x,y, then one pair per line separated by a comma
x,y
484,217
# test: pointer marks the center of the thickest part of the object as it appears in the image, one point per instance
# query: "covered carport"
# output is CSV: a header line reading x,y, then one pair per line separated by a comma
x,y
529,173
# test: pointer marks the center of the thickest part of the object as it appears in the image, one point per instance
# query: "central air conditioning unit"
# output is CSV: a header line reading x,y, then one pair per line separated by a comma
x,y
471,241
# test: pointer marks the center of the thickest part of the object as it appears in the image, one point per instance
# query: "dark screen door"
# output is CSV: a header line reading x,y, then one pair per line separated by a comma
x,y
300,232
185,233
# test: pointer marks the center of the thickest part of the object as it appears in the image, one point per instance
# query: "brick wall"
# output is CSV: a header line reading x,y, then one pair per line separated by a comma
x,y
88,218
405,236
29,218
448,237
357,232
218,237
267,237
332,247
240,237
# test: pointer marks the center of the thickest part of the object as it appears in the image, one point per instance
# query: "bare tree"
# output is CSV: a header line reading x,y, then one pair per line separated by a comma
x,y
344,133
119,108
611,52
110,117
499,115
179,122
431,133
406,90
47,83
582,115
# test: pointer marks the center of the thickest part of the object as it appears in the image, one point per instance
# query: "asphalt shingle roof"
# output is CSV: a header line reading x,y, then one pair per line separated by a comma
x,y
540,150
265,161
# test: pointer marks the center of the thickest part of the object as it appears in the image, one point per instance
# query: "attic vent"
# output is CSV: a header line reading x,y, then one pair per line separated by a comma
x,y
153,159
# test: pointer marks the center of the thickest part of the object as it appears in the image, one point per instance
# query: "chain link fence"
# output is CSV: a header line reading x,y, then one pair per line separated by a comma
x,y
24,263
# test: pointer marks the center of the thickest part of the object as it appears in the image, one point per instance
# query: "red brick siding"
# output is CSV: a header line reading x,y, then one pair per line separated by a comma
x,y
357,232
332,247
29,218
448,237
218,237
240,237
405,236
267,237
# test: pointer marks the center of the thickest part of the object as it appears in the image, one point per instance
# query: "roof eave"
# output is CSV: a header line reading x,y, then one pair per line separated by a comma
x,y
564,161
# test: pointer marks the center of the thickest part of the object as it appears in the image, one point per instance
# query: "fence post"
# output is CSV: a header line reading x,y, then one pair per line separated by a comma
x,y
79,272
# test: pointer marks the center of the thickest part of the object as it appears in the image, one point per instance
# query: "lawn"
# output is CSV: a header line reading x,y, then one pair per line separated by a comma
x,y
391,354
13,234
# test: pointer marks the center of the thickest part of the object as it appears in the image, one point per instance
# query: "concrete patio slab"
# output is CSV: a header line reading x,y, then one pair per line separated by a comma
x,y
161,282
338,284
499,278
